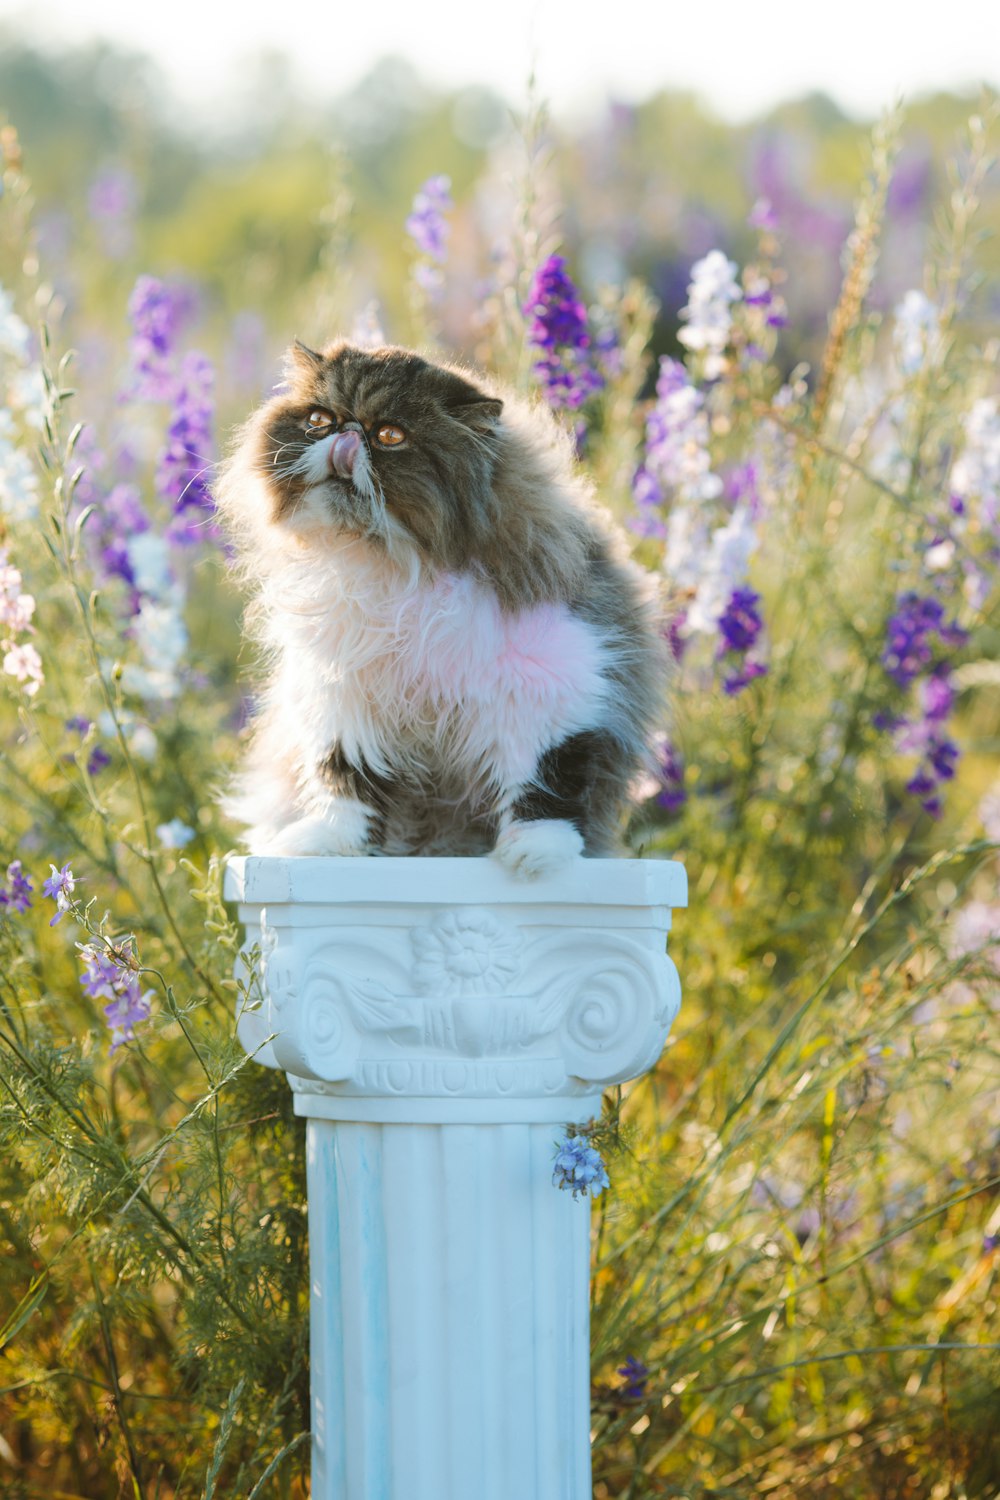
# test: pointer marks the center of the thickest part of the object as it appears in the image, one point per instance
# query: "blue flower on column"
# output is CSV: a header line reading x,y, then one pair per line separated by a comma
x,y
579,1167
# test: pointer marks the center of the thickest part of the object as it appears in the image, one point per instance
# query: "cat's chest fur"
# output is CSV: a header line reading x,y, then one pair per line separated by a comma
x,y
424,676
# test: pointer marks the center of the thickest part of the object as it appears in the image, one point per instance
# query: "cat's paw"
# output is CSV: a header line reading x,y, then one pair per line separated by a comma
x,y
343,831
538,848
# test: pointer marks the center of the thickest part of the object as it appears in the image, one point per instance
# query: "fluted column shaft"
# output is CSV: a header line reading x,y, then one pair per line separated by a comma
x,y
449,1315
440,1023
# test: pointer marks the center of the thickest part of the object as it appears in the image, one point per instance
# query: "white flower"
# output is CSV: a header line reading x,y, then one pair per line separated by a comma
x,y
14,334
712,290
917,323
162,639
724,569
26,394
24,663
989,813
976,474
939,557
686,545
138,736
16,611
18,483
149,558
367,331
175,834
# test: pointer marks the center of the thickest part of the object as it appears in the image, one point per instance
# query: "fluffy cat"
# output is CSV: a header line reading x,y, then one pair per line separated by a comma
x,y
462,658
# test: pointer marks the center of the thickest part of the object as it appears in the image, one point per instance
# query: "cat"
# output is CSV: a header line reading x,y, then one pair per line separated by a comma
x,y
462,658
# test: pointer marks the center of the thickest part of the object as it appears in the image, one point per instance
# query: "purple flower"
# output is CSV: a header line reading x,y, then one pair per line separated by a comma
x,y
156,312
125,1011
558,330
635,1374
109,974
746,674
111,203
99,757
740,623
740,626
991,1242
427,225
184,465
762,216
579,1168
101,973
916,634
17,893
909,632
60,886
559,318
671,794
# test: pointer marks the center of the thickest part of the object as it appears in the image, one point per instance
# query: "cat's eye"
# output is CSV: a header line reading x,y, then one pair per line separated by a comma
x,y
390,436
318,419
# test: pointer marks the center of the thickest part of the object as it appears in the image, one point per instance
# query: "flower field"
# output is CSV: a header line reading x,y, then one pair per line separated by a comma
x,y
791,401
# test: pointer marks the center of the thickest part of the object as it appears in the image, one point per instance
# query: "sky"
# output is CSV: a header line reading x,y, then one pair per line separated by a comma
x,y
738,55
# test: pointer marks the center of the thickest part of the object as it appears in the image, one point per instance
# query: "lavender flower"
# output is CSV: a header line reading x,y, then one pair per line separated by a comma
x,y
635,1374
17,892
916,633
429,230
156,312
111,204
181,476
740,623
908,650
671,794
60,887
98,758
427,225
676,467
110,974
763,217
579,1167
558,330
740,626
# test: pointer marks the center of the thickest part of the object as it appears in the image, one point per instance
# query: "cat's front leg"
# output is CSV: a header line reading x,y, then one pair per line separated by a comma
x,y
343,813
568,808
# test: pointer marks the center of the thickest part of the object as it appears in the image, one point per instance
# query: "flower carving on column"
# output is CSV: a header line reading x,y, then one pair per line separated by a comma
x,y
465,952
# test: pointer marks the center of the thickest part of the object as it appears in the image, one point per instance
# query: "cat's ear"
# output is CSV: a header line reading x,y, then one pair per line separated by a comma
x,y
481,414
465,401
301,360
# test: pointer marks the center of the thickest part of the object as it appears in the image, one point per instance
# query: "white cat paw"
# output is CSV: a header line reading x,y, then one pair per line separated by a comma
x,y
538,848
343,831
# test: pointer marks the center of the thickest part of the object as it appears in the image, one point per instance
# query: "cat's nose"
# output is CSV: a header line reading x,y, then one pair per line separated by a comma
x,y
344,451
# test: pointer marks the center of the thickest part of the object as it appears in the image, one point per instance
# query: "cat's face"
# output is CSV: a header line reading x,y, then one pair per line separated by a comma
x,y
380,443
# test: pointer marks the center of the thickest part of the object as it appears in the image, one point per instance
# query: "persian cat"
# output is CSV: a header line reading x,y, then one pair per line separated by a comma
x,y
462,658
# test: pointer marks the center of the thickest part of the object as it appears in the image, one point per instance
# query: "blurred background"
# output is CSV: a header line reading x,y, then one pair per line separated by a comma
x,y
270,160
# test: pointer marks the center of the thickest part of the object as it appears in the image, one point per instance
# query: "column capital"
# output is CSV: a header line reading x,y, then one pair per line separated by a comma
x,y
417,990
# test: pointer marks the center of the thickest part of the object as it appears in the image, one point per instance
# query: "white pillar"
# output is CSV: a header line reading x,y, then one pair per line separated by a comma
x,y
439,1022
